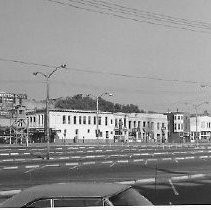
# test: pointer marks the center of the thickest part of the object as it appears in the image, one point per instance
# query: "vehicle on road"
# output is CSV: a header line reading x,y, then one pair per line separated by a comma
x,y
76,195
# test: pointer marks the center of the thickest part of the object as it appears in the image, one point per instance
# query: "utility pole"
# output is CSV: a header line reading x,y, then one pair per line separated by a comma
x,y
47,126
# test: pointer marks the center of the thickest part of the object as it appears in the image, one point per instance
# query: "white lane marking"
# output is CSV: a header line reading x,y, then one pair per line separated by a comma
x,y
52,165
176,178
5,160
9,192
145,154
71,164
203,157
179,158
190,157
176,160
89,163
11,167
166,159
4,154
145,163
89,151
136,154
15,153
21,149
112,164
98,150
109,150
32,166
76,157
197,176
80,151
81,147
138,160
26,153
91,147
63,158
142,181
122,161
173,188
105,162
127,182
19,159
59,148
152,159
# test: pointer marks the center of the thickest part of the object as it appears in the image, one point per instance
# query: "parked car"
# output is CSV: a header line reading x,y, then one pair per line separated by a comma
x,y
76,195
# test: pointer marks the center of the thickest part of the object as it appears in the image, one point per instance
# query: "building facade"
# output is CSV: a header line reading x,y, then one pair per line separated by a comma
x,y
178,127
201,127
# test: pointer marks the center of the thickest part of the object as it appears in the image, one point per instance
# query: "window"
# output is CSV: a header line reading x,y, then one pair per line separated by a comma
x,y
182,126
64,119
175,126
74,119
175,117
94,120
34,119
178,117
178,126
134,124
45,203
152,125
144,124
111,121
76,131
124,122
42,119
79,119
116,123
77,202
88,131
106,120
129,125
84,120
139,124
65,133
39,119
89,120
30,119
68,119
158,126
163,125
99,120
107,135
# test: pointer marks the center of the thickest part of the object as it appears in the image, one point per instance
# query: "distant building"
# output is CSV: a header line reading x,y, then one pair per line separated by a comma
x,y
70,125
178,127
145,127
203,128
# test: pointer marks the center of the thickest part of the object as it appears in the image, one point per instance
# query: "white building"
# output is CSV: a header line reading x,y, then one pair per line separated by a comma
x,y
203,127
78,124
148,127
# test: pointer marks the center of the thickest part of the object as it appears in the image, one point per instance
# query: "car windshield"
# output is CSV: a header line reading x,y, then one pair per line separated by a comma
x,y
129,197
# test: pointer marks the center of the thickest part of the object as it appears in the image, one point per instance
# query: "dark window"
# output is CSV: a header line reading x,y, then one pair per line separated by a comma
x,y
77,202
88,131
129,197
94,120
45,203
99,120
34,119
68,119
76,131
144,124
111,121
79,119
64,119
89,120
74,119
84,120
129,125
106,120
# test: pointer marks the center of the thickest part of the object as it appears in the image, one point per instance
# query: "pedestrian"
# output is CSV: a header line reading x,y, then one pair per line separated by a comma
x,y
83,139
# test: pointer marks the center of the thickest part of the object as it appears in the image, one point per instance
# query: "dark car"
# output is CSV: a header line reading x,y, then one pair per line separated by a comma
x,y
77,195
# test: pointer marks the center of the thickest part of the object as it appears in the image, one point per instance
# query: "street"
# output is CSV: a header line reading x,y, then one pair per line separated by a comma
x,y
155,171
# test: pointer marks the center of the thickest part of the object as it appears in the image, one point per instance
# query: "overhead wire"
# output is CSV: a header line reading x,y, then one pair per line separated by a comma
x,y
119,11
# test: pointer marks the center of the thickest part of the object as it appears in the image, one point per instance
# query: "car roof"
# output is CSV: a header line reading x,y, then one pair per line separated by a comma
x,y
73,189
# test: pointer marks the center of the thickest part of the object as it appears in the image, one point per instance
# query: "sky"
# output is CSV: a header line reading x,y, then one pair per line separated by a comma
x,y
44,32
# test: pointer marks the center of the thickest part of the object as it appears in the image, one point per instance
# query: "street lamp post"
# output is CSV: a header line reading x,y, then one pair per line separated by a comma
x,y
195,107
97,109
46,126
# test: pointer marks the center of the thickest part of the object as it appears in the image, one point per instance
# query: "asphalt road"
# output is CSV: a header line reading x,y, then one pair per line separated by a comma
x,y
156,163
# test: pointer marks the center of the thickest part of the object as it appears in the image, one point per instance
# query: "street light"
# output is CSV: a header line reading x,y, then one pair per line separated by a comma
x,y
195,107
47,129
97,109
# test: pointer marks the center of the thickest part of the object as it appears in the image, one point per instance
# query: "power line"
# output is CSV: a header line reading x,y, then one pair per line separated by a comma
x,y
109,73
123,12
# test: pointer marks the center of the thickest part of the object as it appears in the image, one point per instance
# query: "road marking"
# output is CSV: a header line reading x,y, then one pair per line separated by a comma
x,y
71,164
19,159
145,154
127,182
63,158
26,153
190,157
6,160
89,151
11,167
76,157
112,164
203,157
105,162
152,159
143,181
138,160
122,161
21,149
166,159
89,163
173,188
59,148
73,167
52,165
32,166
15,153
98,150
179,158
9,192
4,154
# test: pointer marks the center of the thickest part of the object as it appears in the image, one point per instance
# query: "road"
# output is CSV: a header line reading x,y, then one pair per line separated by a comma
x,y
164,175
